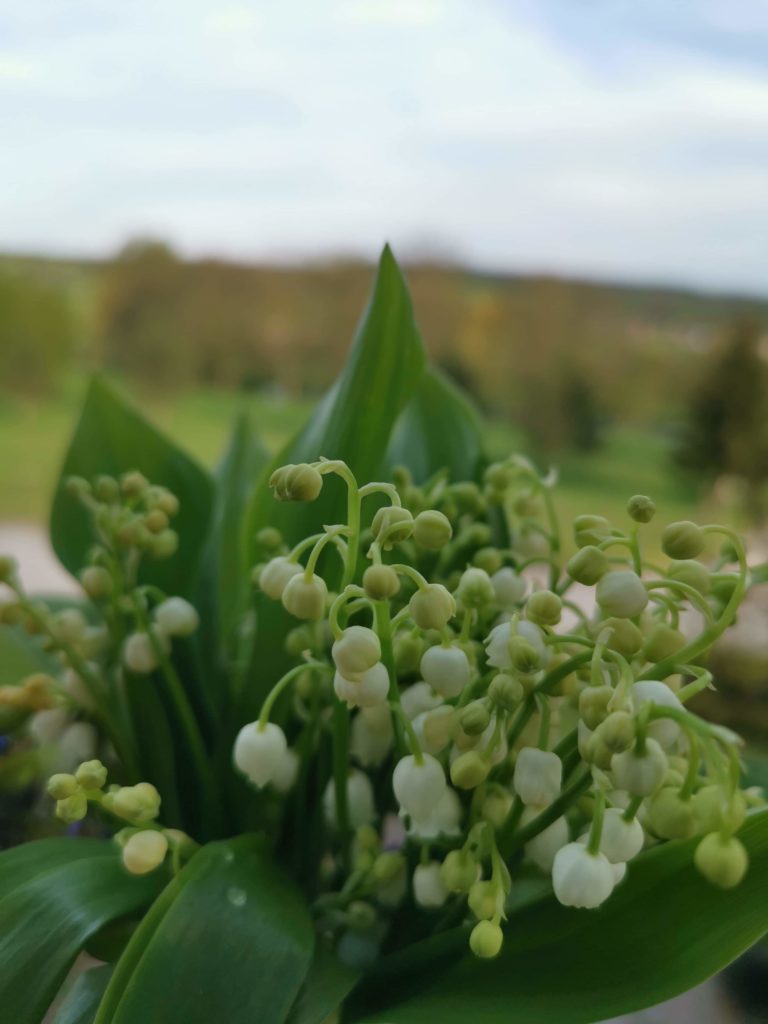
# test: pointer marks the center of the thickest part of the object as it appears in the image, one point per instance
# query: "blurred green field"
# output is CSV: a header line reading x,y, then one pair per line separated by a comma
x,y
34,435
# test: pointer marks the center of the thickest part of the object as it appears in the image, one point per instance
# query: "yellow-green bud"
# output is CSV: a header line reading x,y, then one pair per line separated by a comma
x,y
523,656
77,486
488,559
432,529
458,871
496,806
269,538
616,732
165,501
408,652
544,608
722,861
296,483
62,785
589,529
624,637
588,565
391,525
305,598
144,851
475,718
622,594
72,808
670,816
361,916
380,582
486,900
714,809
486,940
506,692
641,508
106,488
388,866
91,774
133,484
688,570
156,521
432,607
96,581
662,642
475,588
164,544
469,770
682,540
593,705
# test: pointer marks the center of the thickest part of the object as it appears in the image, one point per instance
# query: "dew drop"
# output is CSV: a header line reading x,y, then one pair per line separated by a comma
x,y
237,896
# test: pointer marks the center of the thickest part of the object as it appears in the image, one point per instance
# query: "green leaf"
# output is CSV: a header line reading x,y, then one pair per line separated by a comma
x,y
664,930
46,918
438,429
234,933
21,864
82,1000
325,988
20,656
112,437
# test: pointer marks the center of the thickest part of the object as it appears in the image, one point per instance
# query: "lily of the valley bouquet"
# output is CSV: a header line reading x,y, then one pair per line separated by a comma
x,y
369,731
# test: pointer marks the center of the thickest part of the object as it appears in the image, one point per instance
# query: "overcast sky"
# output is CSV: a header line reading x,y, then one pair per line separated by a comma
x,y
595,137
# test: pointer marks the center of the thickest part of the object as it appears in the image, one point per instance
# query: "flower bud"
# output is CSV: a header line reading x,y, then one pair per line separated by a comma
x,y
388,866
682,540
380,582
446,668
486,939
670,815
366,692
544,608
590,530
486,900
258,750
91,775
298,483
509,588
662,641
156,521
593,704
276,574
542,848
475,589
616,732
361,808
408,650
428,888
144,851
475,718
436,728
624,636
538,776
469,770
361,916
72,808
620,840
640,774
641,508
77,486
139,654
459,871
715,809
392,525
417,699
580,878
164,544
176,617
62,785
520,646
96,581
432,530
688,570
622,594
372,735
269,538
305,598
505,692
133,484
432,607
722,861
489,560
418,787
658,694
357,649
496,805
588,565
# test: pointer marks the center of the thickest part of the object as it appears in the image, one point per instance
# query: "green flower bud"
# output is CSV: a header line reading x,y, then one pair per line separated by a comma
x,y
72,808
91,774
498,476
715,810
269,538
475,589
622,594
593,705
469,770
688,570
432,530
544,608
486,900
588,565
662,642
77,487
408,651
298,640
305,598
97,582
590,530
164,544
625,637
361,916
670,816
458,871
392,525
432,607
144,851
496,806
616,732
682,540
475,718
133,484
468,497
488,559
523,656
641,508
163,499
486,940
156,521
505,692
62,785
596,752
296,483
722,861
388,866
106,488
380,582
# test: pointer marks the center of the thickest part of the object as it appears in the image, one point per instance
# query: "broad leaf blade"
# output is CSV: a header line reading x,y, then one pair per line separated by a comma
x,y
663,931
25,862
82,1000
112,437
21,655
232,929
325,988
438,429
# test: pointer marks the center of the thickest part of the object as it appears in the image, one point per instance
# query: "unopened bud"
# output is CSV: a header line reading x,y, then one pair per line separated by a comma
x,y
133,484
475,718
589,529
469,770
305,598
670,815
296,483
432,530
617,731
62,785
489,560
588,565
683,539
164,544
623,637
475,589
688,570
388,866
269,538
145,851
506,692
622,594
486,900
72,808
722,861
91,774
97,582
544,608
391,525
641,508
380,582
486,940
432,607
459,871
663,641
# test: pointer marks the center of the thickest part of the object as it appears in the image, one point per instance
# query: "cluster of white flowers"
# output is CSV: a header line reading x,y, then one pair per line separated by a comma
x,y
492,714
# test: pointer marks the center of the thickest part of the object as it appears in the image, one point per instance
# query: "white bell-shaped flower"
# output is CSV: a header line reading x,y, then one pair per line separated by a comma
x,y
621,840
538,776
508,587
418,698
428,888
542,848
446,669
372,735
286,772
640,774
276,574
370,690
361,807
435,728
418,786
357,650
444,820
144,851
497,642
650,691
259,750
139,653
305,598
581,878
176,617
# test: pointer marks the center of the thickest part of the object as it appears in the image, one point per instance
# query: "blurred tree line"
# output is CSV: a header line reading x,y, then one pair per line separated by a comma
x,y
562,360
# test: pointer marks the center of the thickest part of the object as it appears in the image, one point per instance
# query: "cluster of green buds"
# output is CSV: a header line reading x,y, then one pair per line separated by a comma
x,y
495,694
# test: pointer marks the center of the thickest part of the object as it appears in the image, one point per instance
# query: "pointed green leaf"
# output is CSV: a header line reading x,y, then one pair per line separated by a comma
x,y
235,933
112,437
325,988
46,919
664,930
82,1000
438,429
